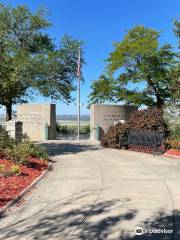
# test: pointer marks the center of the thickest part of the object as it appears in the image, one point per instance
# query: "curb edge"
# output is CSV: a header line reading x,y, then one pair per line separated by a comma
x,y
25,191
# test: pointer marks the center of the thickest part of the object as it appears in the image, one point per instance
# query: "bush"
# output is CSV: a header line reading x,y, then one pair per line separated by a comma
x,y
62,129
36,152
20,153
173,144
150,120
72,129
85,129
15,169
5,139
172,118
175,133
111,138
2,168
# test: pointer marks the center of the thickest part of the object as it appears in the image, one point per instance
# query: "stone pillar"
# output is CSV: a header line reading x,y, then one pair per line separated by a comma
x,y
36,118
14,129
105,115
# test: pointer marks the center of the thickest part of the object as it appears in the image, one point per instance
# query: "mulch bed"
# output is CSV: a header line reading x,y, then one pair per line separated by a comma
x,y
173,152
12,186
140,148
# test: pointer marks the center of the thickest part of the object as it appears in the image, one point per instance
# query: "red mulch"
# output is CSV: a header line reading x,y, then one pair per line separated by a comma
x,y
173,152
12,186
140,148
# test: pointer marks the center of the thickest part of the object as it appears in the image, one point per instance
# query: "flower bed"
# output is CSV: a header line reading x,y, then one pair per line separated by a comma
x,y
11,186
173,152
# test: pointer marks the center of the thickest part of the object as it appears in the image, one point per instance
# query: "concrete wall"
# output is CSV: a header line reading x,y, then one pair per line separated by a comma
x,y
14,129
35,117
105,115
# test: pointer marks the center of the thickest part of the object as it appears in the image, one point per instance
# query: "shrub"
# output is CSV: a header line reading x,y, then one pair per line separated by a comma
x,y
72,129
85,129
175,133
150,120
111,138
62,129
2,168
37,152
173,144
172,118
20,153
5,139
15,169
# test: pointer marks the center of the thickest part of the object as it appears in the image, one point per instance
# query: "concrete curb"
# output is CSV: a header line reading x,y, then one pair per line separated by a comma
x,y
169,155
23,192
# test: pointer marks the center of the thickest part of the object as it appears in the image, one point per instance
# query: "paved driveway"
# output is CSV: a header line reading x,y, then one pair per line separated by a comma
x,y
99,194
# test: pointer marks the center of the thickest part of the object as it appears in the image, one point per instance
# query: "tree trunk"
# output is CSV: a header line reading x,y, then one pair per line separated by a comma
x,y
160,102
9,111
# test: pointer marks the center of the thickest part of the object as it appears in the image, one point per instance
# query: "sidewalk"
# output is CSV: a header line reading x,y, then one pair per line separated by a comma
x,y
98,194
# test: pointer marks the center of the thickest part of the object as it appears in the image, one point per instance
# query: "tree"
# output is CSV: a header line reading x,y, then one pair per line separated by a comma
x,y
102,89
176,72
145,69
177,30
29,60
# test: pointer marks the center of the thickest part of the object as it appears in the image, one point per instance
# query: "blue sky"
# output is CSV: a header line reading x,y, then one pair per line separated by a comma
x,y
99,23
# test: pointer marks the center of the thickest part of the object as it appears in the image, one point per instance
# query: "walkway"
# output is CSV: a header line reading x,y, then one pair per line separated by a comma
x,y
99,194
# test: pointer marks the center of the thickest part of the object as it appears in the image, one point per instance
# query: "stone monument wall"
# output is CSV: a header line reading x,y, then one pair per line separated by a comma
x,y
14,129
39,120
105,115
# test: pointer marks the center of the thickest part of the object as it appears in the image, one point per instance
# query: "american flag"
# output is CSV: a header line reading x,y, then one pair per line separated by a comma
x,y
79,63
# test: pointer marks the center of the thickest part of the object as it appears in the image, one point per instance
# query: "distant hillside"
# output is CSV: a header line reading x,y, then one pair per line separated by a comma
x,y
72,117
61,117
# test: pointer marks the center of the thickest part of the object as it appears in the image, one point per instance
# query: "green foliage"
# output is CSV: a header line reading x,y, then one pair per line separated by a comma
x,y
146,71
102,90
72,129
15,169
174,144
172,118
29,60
56,70
85,129
5,139
177,30
35,151
175,133
61,129
2,168
20,153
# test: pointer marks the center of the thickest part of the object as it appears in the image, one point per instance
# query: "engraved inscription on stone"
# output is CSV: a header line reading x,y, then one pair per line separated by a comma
x,y
33,118
106,115
39,120
111,118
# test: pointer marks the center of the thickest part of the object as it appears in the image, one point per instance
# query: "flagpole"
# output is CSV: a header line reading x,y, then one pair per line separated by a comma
x,y
79,112
78,93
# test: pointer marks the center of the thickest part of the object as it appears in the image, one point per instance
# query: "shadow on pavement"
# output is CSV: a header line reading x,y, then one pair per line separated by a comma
x,y
87,222
62,148
72,137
